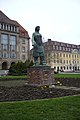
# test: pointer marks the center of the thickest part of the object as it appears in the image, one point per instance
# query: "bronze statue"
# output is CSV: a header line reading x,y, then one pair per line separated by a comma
x,y
38,50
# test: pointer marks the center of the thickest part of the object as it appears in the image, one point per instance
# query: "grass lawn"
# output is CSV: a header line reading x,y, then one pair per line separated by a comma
x,y
17,80
55,75
67,75
13,83
66,108
2,77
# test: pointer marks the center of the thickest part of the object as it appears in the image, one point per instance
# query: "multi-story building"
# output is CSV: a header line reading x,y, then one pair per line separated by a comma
x,y
14,42
62,56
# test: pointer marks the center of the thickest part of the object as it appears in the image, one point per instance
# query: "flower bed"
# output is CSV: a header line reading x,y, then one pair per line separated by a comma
x,y
31,93
73,82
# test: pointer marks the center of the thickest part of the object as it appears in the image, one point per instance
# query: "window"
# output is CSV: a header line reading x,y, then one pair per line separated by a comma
x,y
66,48
63,48
68,45
60,61
64,61
69,55
64,68
67,67
60,48
78,67
23,41
4,47
60,55
3,26
0,25
54,61
57,55
63,55
53,46
4,39
4,55
73,61
49,47
23,49
61,67
13,55
66,55
57,61
56,47
67,61
72,56
12,40
23,57
12,47
69,49
9,27
75,56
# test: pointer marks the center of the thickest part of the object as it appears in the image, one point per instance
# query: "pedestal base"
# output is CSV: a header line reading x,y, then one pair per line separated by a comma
x,y
40,76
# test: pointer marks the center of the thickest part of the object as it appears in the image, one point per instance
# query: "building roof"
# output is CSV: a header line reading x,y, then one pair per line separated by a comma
x,y
5,19
55,45
22,31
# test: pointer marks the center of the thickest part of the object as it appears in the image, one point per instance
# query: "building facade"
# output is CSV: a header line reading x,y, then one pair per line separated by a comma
x,y
62,56
14,42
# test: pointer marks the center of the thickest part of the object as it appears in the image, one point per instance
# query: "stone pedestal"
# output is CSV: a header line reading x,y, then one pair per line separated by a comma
x,y
40,76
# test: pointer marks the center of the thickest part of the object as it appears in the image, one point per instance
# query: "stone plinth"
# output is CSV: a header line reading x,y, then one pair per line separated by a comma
x,y
40,75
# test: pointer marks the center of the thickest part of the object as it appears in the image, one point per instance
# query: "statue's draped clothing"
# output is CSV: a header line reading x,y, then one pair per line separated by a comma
x,y
38,45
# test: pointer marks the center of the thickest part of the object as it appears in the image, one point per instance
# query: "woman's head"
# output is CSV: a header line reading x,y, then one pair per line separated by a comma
x,y
37,28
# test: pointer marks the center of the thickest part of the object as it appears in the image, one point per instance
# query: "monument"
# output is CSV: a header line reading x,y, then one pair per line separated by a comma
x,y
40,73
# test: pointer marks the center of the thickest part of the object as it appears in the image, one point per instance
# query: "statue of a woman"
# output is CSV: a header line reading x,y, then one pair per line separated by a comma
x,y
38,50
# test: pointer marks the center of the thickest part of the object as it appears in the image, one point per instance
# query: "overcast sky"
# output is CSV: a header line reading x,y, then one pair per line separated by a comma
x,y
59,19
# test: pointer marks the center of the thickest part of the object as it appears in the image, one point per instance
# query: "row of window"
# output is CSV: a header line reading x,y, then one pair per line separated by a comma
x,y
62,44
63,61
12,28
11,38
10,48
6,55
4,39
12,55
60,48
63,55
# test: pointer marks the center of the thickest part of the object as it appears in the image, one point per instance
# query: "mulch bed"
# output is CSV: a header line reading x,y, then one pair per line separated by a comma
x,y
71,82
28,92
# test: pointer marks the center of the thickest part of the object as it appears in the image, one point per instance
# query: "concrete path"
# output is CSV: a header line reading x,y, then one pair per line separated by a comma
x,y
69,88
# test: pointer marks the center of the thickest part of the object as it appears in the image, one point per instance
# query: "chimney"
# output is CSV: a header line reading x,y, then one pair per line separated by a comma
x,y
49,40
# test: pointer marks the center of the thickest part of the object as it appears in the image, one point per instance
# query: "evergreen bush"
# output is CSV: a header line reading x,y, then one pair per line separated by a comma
x,y
20,68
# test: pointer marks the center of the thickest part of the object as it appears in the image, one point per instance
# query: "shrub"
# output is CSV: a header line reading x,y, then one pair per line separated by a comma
x,y
20,68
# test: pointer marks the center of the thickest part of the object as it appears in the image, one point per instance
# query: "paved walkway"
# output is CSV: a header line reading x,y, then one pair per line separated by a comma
x,y
69,88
